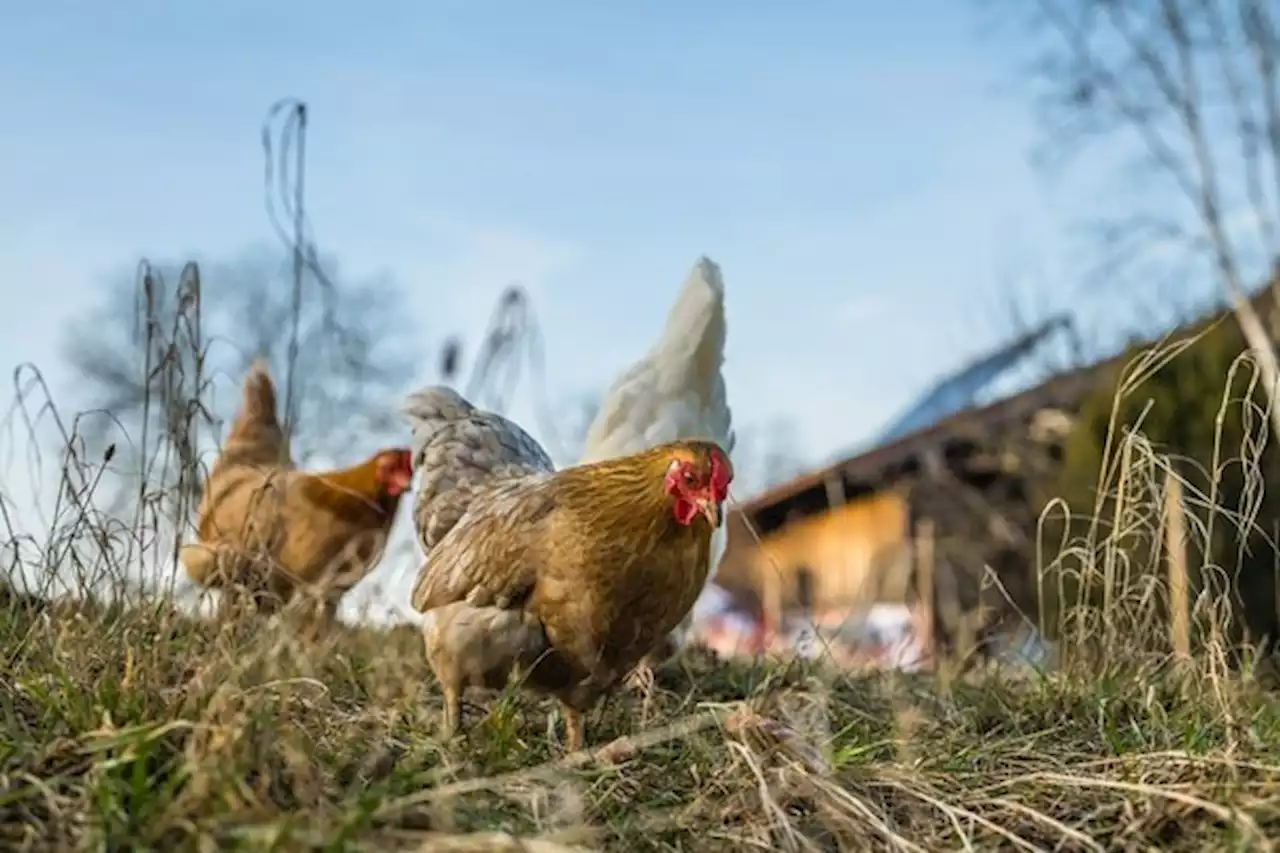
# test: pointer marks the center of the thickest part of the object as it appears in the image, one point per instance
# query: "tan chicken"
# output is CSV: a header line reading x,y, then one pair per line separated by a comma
x,y
272,531
676,391
568,577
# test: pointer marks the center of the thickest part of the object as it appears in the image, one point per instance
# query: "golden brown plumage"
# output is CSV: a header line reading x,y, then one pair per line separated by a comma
x,y
273,530
590,567
255,436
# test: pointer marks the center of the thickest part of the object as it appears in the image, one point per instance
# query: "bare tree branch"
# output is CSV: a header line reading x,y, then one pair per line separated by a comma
x,y
136,363
1263,39
1246,121
1171,74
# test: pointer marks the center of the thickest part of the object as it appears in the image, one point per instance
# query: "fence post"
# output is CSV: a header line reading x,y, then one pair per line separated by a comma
x,y
1175,529
924,553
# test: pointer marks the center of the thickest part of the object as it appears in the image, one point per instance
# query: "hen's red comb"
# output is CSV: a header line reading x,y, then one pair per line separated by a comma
x,y
721,475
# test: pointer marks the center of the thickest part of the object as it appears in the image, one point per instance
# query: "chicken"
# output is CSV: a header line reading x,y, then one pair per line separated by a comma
x,y
567,577
674,392
274,531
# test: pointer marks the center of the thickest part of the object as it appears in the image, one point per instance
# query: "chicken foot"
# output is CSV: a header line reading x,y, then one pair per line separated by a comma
x,y
573,727
641,679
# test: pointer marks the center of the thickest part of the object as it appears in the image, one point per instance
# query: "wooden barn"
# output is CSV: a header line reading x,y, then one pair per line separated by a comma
x,y
852,533
919,518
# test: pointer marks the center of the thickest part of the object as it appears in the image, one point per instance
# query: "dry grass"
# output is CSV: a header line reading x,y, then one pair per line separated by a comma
x,y
131,725
139,728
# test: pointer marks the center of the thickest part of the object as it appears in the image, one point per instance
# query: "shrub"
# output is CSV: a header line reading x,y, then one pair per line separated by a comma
x,y
1195,409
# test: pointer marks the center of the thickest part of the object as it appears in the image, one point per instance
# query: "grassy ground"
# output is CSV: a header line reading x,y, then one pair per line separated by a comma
x,y
142,729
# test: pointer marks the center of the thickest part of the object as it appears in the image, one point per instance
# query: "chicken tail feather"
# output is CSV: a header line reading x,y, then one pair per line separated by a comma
x,y
258,394
431,410
458,448
255,436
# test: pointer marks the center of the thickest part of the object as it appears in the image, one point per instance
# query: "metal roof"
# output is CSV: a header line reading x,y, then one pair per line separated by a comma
x,y
961,390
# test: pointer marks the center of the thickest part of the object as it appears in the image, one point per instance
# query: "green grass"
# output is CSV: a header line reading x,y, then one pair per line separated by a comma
x,y
142,729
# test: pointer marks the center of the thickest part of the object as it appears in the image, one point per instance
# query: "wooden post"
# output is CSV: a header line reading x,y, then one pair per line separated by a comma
x,y
835,490
771,603
1175,533
925,568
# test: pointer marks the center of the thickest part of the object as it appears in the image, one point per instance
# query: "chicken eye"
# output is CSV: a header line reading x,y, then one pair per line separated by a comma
x,y
687,476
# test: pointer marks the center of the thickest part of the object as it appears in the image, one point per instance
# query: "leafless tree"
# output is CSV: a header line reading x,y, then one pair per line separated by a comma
x,y
1023,301
165,351
1190,91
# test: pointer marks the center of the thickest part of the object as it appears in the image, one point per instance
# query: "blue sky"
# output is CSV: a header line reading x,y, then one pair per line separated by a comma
x,y
860,172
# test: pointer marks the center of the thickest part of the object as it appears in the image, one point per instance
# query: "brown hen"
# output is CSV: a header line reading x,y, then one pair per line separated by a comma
x,y
569,577
272,531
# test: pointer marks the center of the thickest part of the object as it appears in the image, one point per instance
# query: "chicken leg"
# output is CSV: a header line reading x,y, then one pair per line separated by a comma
x,y
452,710
573,727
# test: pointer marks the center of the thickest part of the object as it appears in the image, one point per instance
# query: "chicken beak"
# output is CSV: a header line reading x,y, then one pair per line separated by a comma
x,y
711,509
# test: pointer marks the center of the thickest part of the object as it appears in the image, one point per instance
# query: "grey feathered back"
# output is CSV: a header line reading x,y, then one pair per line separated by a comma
x,y
458,447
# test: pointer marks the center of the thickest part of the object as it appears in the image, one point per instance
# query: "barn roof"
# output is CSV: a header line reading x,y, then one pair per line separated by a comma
x,y
866,471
